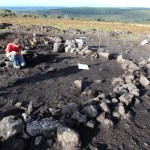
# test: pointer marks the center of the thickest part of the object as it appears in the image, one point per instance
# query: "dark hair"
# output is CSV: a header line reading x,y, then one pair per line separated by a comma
x,y
16,41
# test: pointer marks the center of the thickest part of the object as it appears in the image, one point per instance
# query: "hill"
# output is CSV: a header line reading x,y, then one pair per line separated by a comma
x,y
132,15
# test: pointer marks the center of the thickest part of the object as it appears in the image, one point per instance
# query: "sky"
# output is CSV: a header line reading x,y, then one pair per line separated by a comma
x,y
78,3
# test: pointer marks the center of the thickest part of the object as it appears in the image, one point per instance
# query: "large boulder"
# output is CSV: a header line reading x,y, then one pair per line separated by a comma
x,y
9,127
68,138
45,126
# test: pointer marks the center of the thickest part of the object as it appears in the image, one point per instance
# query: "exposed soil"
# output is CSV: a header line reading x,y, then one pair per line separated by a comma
x,y
55,88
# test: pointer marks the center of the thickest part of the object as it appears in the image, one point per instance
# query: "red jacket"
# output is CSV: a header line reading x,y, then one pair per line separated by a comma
x,y
12,47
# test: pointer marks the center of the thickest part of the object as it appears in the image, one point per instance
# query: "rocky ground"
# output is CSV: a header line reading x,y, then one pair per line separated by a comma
x,y
51,104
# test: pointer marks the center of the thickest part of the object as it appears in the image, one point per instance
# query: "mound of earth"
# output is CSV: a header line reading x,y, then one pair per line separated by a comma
x,y
52,104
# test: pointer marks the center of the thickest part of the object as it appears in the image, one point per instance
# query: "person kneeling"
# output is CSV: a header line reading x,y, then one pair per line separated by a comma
x,y
13,53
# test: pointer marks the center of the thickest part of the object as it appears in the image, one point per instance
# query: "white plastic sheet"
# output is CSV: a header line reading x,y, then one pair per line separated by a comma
x,y
83,66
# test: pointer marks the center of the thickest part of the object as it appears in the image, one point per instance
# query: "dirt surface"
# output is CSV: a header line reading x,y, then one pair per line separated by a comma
x,y
55,88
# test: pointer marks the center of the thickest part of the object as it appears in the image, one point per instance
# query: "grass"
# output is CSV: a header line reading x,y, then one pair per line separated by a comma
x,y
77,24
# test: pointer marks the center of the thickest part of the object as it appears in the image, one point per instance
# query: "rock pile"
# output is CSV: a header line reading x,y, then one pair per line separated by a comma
x,y
36,29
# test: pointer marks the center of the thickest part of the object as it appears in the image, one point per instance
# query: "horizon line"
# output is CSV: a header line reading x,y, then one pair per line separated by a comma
x,y
83,6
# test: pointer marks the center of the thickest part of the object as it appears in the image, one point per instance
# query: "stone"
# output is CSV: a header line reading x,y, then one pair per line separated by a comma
x,y
87,47
51,110
69,109
130,70
129,86
49,143
137,101
30,108
148,60
104,54
82,52
97,81
7,63
81,44
9,127
71,43
107,101
148,66
68,138
56,113
90,111
88,52
90,124
38,140
51,69
127,80
103,120
116,80
142,63
101,96
126,98
58,47
27,118
67,49
79,84
25,136
114,101
121,109
134,92
146,144
79,117
57,39
120,59
95,55
18,104
120,90
72,50
92,147
127,116
46,42
125,64
131,77
46,125
132,89
133,66
104,107
116,115
26,48
144,81
92,101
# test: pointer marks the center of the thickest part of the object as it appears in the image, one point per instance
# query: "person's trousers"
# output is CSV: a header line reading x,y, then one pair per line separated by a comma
x,y
17,60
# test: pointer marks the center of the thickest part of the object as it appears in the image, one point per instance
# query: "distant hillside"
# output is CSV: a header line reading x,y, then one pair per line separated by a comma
x,y
138,15
131,15
27,9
